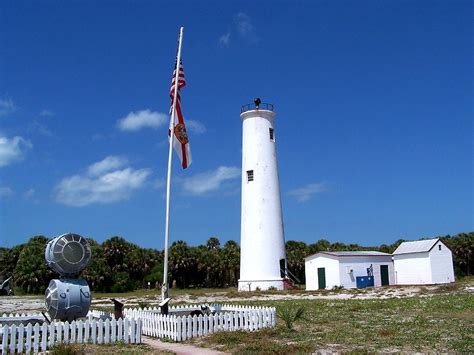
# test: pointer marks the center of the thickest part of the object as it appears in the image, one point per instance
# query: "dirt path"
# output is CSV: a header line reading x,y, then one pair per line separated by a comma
x,y
177,348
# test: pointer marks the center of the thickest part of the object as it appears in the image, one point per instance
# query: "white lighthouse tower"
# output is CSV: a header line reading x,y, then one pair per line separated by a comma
x,y
262,242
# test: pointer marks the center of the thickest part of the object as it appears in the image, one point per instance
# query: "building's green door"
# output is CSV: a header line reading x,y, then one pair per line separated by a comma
x,y
384,275
321,278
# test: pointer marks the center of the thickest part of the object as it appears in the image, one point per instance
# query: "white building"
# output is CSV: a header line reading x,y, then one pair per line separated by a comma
x,y
326,270
262,242
423,262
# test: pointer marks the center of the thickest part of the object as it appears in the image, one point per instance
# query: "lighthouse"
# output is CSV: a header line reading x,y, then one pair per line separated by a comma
x,y
262,240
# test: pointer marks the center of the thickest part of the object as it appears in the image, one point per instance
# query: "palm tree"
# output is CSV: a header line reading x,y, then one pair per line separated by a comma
x,y
213,243
320,245
116,250
98,273
31,273
295,254
181,262
231,261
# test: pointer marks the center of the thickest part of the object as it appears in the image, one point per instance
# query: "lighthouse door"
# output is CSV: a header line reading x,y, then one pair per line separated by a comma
x,y
282,268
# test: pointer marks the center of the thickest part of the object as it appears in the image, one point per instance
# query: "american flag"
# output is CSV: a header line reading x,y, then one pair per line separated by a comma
x,y
181,82
181,141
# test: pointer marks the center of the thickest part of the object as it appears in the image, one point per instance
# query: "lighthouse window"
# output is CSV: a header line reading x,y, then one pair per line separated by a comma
x,y
272,134
249,175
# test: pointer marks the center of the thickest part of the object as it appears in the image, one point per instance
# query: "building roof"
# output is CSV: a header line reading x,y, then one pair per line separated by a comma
x,y
351,253
417,246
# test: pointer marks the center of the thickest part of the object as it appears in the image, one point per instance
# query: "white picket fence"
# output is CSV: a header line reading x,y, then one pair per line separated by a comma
x,y
137,322
180,328
35,338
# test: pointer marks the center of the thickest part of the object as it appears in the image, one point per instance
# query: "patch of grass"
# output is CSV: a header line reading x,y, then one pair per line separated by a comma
x,y
64,349
117,348
440,322
156,293
143,305
255,342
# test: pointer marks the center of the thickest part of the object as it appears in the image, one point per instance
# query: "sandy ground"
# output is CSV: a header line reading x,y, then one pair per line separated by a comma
x,y
178,348
32,304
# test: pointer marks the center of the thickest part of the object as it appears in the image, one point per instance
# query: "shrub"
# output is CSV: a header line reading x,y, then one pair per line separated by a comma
x,y
64,349
290,315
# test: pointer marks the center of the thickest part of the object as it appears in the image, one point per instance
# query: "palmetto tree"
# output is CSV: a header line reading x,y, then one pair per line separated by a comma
x,y
116,250
98,273
181,262
295,254
8,260
231,261
462,247
31,273
213,243
320,245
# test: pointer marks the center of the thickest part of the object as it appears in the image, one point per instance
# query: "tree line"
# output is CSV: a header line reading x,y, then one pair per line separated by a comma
x,y
119,266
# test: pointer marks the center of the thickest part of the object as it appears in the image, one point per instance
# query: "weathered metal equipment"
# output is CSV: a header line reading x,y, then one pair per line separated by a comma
x,y
6,288
69,297
68,254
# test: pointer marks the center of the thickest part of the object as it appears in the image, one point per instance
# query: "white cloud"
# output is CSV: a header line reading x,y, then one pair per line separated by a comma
x,y
46,113
40,128
107,181
245,27
5,191
211,180
6,106
135,121
305,193
29,194
106,165
195,126
13,149
225,39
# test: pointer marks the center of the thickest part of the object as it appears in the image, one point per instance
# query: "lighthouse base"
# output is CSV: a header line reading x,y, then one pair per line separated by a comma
x,y
252,285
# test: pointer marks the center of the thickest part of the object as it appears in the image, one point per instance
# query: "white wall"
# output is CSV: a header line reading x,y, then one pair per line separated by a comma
x,y
412,269
359,264
331,265
442,269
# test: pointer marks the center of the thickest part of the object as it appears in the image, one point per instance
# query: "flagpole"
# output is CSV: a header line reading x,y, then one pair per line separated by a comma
x,y
164,289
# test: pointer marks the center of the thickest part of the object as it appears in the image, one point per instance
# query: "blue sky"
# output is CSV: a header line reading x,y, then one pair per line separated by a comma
x,y
374,117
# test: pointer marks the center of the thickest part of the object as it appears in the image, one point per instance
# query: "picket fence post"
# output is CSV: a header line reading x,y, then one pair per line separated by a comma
x,y
206,324
29,331
126,328
44,333
211,323
21,334
139,331
119,329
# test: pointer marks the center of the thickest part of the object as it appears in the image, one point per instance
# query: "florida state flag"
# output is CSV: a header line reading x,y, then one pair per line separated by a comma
x,y
178,128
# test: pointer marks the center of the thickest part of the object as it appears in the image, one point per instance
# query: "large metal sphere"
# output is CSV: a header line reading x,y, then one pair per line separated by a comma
x,y
68,299
68,254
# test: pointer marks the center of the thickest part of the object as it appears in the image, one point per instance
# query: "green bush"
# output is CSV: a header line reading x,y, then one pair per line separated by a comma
x,y
290,314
